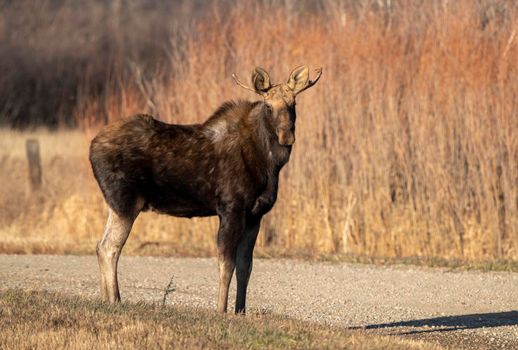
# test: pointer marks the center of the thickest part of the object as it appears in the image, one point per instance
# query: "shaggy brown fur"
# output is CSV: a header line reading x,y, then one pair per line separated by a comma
x,y
228,166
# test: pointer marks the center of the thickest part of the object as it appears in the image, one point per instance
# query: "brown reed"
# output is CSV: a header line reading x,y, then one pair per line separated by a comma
x,y
407,147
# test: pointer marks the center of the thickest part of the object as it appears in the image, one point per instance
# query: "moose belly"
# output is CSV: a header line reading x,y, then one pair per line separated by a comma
x,y
181,208
184,211
181,201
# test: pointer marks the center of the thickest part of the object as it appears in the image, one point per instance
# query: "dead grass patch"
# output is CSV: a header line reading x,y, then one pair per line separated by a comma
x,y
37,320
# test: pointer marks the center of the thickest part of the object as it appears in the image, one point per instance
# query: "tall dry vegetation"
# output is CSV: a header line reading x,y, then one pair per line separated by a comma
x,y
407,146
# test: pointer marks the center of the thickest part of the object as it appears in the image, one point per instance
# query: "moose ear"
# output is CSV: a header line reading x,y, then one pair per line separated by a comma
x,y
298,78
260,80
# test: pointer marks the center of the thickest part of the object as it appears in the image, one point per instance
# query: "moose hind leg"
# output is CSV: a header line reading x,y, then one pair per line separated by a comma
x,y
244,261
108,250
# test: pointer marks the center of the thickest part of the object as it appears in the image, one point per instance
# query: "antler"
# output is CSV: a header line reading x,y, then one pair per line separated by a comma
x,y
241,84
310,83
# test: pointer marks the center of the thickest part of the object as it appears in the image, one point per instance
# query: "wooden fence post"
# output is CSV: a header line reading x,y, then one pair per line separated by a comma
x,y
32,147
502,229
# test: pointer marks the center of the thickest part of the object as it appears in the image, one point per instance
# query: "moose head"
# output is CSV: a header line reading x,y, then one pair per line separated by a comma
x,y
280,99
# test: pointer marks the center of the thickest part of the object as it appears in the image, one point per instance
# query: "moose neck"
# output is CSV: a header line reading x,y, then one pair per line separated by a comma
x,y
275,154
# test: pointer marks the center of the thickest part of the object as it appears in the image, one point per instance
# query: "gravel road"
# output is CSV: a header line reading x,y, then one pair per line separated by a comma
x,y
457,309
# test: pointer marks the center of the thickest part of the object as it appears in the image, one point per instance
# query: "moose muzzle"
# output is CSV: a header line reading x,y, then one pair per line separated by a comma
x,y
286,137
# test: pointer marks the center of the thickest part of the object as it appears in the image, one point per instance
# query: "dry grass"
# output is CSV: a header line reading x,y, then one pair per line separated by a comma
x,y
408,146
37,320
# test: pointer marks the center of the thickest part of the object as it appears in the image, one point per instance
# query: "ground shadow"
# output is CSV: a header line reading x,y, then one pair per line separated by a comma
x,y
452,323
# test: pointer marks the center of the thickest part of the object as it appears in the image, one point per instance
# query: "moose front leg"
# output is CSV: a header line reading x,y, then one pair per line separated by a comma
x,y
244,261
267,199
230,230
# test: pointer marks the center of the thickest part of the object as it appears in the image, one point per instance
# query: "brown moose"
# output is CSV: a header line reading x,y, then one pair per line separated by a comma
x,y
228,166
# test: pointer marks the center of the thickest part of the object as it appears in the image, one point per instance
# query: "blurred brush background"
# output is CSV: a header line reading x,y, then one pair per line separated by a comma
x,y
407,146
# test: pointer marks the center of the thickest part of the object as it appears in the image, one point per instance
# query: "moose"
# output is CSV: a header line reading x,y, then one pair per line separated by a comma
x,y
227,166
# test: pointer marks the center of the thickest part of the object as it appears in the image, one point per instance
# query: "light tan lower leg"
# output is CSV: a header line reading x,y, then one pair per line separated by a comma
x,y
226,269
108,251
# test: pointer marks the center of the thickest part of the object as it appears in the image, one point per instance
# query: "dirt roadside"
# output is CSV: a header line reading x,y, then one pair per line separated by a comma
x,y
458,309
